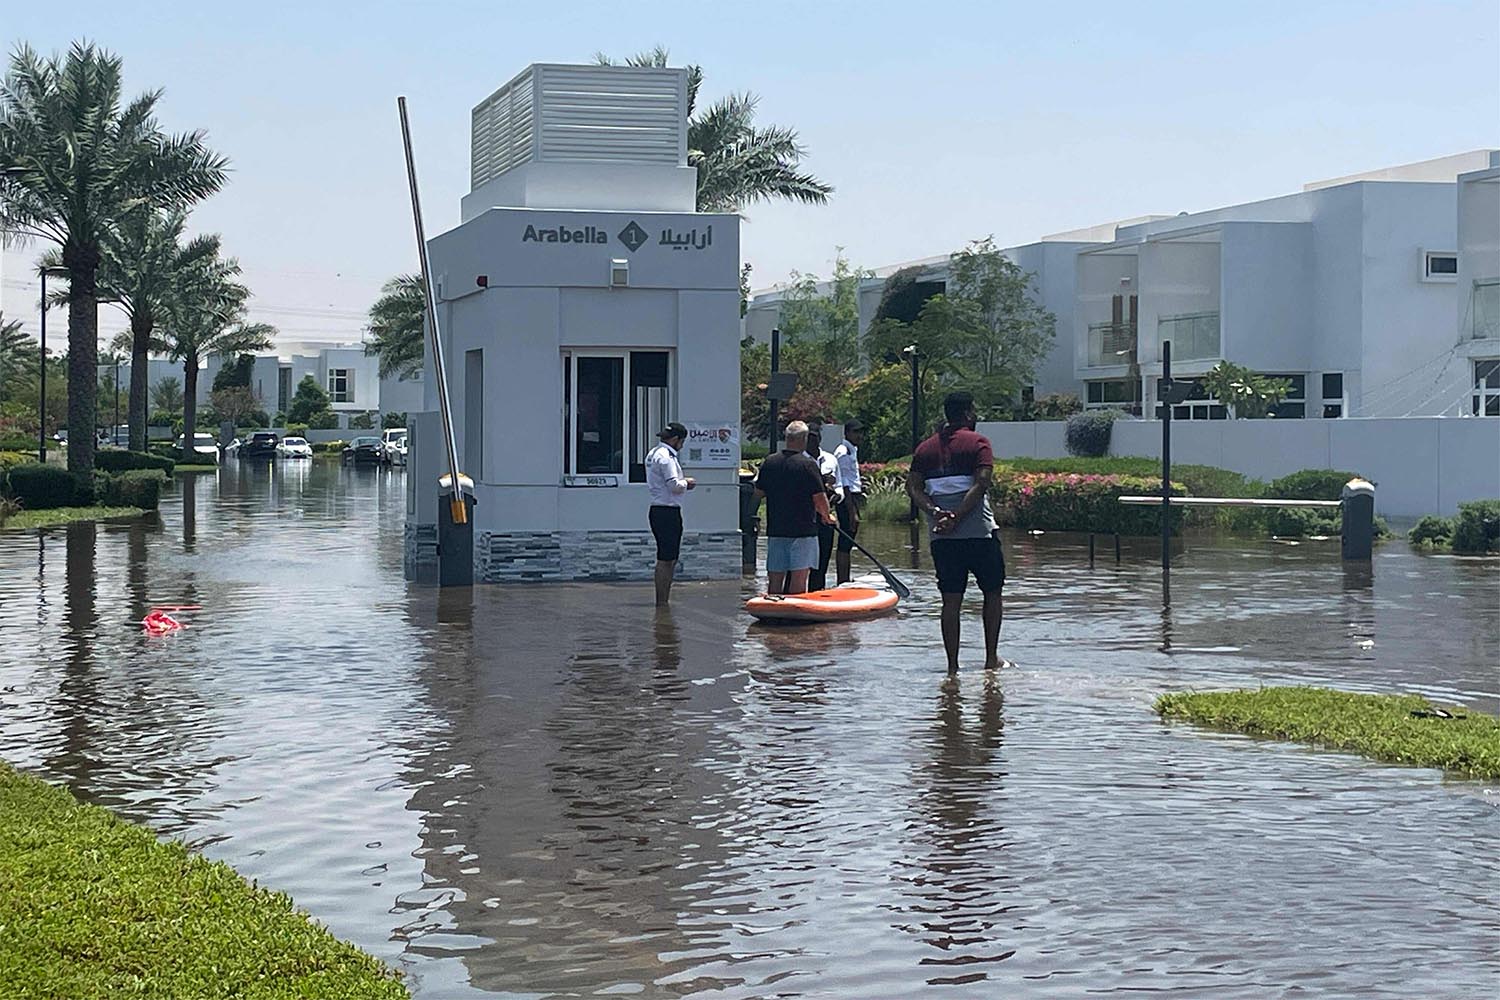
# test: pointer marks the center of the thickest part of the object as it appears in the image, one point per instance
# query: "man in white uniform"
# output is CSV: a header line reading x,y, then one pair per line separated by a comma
x,y
828,466
667,484
846,456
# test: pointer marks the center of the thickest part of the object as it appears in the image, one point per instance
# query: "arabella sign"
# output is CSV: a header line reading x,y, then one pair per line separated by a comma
x,y
588,234
632,236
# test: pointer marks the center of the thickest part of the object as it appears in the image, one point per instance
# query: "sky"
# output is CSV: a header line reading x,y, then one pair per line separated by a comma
x,y
936,123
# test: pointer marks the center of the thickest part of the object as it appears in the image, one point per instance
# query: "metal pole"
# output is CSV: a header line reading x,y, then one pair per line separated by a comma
x,y
456,503
41,403
916,421
775,403
1166,464
113,431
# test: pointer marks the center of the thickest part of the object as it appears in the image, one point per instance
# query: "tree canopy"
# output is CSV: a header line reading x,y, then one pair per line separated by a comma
x,y
396,327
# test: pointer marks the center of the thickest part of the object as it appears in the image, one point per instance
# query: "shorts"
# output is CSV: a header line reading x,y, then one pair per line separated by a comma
x,y
955,558
786,555
847,524
666,526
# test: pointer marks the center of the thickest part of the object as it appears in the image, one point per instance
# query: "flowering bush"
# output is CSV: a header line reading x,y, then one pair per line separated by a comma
x,y
1056,501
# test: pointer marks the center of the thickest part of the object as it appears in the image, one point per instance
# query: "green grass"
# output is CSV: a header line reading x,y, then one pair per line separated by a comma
x,y
93,907
1378,726
53,516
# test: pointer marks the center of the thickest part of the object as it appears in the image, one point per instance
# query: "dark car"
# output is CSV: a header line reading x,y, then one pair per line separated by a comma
x,y
364,451
261,444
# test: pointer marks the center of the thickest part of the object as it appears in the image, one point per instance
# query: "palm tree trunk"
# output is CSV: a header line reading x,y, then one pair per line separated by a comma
x,y
140,341
83,354
189,405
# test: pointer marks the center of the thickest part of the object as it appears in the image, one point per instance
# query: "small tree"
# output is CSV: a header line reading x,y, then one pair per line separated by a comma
x,y
1247,394
392,419
235,404
166,395
825,321
235,373
309,402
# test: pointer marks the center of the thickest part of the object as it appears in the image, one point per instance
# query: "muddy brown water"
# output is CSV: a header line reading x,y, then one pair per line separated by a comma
x,y
553,791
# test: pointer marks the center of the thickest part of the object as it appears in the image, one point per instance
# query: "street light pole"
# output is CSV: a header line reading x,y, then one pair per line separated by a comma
x,y
41,402
916,414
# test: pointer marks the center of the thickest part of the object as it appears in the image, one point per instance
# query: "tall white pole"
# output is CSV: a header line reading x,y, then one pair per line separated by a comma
x,y
460,511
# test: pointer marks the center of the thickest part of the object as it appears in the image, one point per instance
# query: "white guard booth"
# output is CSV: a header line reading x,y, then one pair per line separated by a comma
x,y
583,304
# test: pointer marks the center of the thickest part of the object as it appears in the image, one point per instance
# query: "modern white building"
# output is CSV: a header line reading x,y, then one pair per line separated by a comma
x,y
583,303
1476,372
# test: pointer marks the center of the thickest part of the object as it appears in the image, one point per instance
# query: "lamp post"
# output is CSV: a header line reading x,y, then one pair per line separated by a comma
x,y
41,402
912,354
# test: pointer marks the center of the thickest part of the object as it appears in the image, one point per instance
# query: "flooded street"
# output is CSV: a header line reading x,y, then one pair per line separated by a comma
x,y
552,791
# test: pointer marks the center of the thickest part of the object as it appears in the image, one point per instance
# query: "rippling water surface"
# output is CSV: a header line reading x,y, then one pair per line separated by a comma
x,y
553,791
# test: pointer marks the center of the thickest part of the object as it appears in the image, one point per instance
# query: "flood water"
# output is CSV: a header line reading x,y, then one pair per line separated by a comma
x,y
552,791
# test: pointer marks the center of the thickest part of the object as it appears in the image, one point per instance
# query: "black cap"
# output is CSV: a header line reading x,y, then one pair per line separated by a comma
x,y
853,424
672,430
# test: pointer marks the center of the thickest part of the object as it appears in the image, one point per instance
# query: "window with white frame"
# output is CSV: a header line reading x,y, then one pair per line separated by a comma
x,y
614,402
1486,398
1294,405
1198,406
341,385
1113,394
1333,395
1439,265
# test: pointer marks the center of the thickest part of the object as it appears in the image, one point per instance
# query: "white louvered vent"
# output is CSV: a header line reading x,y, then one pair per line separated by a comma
x,y
577,114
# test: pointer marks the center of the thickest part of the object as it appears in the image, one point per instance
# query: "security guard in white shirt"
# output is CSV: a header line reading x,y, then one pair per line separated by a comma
x,y
667,484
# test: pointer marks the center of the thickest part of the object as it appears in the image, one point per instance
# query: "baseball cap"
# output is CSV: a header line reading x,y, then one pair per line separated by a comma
x,y
853,424
672,430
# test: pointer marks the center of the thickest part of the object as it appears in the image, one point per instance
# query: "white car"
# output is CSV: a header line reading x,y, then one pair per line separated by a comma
x,y
393,445
203,446
294,447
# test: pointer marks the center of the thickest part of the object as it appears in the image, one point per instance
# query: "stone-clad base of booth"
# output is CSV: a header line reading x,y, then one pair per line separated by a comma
x,y
538,556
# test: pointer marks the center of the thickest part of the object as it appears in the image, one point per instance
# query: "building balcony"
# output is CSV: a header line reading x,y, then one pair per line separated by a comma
x,y
1484,309
1111,344
1194,336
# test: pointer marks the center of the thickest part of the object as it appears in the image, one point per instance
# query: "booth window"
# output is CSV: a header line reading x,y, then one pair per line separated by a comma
x,y
613,405
1333,395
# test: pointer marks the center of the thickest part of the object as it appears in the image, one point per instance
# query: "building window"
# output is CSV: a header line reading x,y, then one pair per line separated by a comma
x,y
1486,400
1294,407
603,422
1198,406
341,385
1439,265
283,388
1113,394
1333,395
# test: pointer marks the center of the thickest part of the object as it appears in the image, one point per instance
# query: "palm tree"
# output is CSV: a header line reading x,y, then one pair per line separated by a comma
x,y
73,163
204,314
737,163
17,355
396,326
138,260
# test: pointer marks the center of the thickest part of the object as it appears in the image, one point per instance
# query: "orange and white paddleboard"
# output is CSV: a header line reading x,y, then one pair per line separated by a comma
x,y
841,604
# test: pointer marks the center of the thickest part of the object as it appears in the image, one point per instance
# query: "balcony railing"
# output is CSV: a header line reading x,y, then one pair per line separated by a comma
x,y
1485,309
1194,336
1111,344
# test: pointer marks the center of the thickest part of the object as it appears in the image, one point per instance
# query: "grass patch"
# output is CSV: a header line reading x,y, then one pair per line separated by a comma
x,y
53,516
1379,726
93,906
886,507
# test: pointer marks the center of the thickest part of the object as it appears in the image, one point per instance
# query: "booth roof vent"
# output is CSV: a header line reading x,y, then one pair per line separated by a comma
x,y
597,114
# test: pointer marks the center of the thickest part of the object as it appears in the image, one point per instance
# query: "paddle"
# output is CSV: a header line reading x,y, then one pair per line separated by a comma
x,y
901,589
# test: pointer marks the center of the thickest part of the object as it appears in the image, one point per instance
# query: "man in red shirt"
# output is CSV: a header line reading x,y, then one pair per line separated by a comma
x,y
950,479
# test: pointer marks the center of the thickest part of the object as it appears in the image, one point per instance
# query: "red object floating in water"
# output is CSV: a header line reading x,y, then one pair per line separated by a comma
x,y
158,622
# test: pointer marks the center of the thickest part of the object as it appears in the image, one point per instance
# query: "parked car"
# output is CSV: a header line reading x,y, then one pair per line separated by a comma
x,y
260,444
203,446
393,445
363,451
294,447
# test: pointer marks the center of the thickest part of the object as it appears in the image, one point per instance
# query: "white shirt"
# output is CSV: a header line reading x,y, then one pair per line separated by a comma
x,y
664,477
847,457
829,466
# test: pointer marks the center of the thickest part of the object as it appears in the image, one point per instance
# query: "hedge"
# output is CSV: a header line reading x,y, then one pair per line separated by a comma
x,y
114,460
1088,433
38,487
1074,502
11,459
134,488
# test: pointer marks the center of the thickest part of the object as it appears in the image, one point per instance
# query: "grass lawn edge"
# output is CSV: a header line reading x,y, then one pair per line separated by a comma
x,y
51,517
1382,727
94,905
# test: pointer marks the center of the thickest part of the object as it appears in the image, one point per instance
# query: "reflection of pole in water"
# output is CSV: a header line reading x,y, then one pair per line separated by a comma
x,y
190,512
916,531
76,691
1166,619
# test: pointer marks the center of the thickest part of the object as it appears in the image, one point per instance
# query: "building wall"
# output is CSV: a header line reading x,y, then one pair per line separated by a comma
x,y
1420,465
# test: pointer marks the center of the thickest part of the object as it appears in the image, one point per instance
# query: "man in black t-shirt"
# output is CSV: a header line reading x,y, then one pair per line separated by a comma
x,y
795,506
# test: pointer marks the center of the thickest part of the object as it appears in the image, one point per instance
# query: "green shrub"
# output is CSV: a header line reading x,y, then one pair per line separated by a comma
x,y
17,442
327,420
1088,433
11,459
1302,522
885,507
1074,502
1477,530
1310,484
40,487
327,446
1432,531
132,488
110,460
296,430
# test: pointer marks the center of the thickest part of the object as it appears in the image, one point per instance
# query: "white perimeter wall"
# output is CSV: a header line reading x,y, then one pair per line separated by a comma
x,y
1420,465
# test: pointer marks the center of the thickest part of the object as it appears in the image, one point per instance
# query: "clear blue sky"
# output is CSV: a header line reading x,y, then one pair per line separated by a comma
x,y
936,122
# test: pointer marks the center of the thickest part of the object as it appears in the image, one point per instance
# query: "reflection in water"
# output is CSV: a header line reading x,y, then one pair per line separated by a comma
x,y
548,791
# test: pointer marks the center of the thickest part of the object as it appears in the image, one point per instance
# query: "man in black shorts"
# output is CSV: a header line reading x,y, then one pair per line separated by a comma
x,y
950,479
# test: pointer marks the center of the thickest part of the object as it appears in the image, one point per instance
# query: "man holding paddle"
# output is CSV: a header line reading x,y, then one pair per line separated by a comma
x,y
950,479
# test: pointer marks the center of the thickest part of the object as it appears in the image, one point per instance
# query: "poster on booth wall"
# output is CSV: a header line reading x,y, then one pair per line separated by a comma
x,y
711,444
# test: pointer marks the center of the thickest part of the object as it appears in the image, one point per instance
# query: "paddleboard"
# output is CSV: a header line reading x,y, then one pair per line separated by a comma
x,y
840,604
